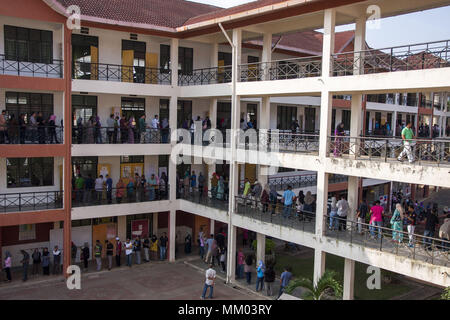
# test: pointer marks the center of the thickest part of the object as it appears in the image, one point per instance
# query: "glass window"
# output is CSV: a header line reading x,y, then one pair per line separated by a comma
x,y
164,60
83,107
185,60
285,116
132,159
164,109
29,172
30,45
85,166
346,119
22,102
81,55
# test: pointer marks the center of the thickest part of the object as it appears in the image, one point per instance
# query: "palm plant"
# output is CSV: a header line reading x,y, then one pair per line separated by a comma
x,y
317,292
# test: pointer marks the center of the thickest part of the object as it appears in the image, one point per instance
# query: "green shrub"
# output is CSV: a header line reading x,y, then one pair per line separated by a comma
x,y
270,246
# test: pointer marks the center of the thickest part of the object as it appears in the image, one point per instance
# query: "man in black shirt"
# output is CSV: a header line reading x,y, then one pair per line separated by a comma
x,y
109,253
431,221
163,246
146,250
361,215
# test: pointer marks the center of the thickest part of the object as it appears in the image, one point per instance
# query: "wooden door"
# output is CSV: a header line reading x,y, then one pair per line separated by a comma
x,y
127,65
151,65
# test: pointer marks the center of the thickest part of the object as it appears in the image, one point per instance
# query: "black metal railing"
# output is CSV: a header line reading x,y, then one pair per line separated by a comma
x,y
15,67
210,198
28,134
276,213
281,69
206,76
31,201
401,243
120,73
92,197
423,151
110,135
282,141
402,58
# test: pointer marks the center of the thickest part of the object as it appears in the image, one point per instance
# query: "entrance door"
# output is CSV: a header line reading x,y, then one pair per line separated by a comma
x,y
310,119
133,107
133,61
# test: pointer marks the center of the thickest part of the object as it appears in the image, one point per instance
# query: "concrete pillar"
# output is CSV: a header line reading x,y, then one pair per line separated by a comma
x,y
211,226
264,114
214,58
319,264
172,181
353,188
359,43
231,254
266,54
213,113
211,170
349,279
328,41
355,123
260,247
174,60
155,223
172,233
326,103
394,124
322,201
173,105
122,227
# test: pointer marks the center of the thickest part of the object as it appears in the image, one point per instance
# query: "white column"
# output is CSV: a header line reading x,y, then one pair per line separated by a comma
x,y
174,61
122,227
360,43
172,234
213,113
319,264
353,187
355,123
264,114
322,202
155,224
266,54
349,279
173,105
231,254
211,170
260,247
328,41
214,58
394,124
172,181
326,103
211,226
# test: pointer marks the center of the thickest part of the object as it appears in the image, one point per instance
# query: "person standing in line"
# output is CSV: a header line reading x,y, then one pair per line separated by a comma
x,y
118,251
99,188
201,183
407,136
248,268
342,213
339,133
361,215
142,125
56,260
209,253
73,252
109,184
397,223
209,282
152,183
25,263
109,253
155,129
111,124
7,266
3,127
269,278
137,249
120,190
46,262
240,264
188,244
163,246
193,182
146,246
201,243
85,254
285,278
260,275
334,222
36,257
223,254
98,254
129,252
376,219
411,224
154,248
431,221
288,199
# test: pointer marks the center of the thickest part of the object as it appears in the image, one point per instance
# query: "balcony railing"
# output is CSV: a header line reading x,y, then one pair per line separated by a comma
x,y
276,213
85,198
14,67
110,135
289,142
206,76
424,152
403,58
120,73
417,247
281,69
209,198
32,134
31,201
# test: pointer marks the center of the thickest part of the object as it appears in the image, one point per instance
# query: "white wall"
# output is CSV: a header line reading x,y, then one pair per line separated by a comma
x,y
80,235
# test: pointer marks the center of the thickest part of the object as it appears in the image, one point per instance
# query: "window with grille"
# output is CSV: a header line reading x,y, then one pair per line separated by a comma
x,y
29,172
27,103
27,232
28,45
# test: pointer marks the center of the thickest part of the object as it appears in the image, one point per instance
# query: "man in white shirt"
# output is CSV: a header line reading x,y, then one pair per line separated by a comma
x,y
155,129
99,188
128,251
342,212
209,282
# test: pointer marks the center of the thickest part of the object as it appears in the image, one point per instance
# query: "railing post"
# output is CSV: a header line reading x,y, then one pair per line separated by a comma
x,y
385,150
20,201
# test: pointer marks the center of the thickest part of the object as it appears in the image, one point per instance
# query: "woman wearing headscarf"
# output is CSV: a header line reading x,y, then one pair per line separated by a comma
x,y
120,190
333,214
46,262
7,266
52,129
260,275
339,132
248,268
220,188
131,129
397,223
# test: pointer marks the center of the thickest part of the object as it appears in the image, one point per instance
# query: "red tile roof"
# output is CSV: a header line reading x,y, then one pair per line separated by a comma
x,y
162,13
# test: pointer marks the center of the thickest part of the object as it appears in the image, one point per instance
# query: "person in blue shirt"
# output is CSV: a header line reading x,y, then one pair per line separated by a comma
x,y
285,277
288,200
109,184
260,275
193,181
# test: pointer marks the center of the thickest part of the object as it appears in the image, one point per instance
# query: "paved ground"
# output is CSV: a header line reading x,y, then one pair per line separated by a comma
x,y
150,281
